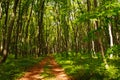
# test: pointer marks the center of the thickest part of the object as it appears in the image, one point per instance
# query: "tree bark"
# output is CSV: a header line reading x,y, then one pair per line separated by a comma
x,y
110,34
99,38
41,27
0,10
4,53
9,33
88,26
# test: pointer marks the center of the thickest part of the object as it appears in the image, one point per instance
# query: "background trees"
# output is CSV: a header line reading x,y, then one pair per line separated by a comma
x,y
35,27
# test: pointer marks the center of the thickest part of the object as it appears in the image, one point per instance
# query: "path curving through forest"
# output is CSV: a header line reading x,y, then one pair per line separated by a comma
x,y
47,69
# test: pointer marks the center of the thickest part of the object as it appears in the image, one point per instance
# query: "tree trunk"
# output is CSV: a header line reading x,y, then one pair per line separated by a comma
x,y
88,26
9,33
4,50
41,27
27,30
111,37
117,31
110,34
99,38
0,10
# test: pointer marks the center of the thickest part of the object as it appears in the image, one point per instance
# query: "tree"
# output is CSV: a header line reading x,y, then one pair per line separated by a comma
x,y
41,26
9,33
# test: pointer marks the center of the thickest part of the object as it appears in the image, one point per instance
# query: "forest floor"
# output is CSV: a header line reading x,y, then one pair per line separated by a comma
x,y
47,69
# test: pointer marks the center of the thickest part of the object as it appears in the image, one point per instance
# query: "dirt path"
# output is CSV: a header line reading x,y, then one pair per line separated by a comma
x,y
47,69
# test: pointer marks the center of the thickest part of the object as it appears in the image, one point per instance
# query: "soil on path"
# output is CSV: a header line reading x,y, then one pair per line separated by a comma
x,y
47,69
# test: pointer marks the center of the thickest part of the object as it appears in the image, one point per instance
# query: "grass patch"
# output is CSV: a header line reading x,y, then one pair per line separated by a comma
x,y
46,75
14,68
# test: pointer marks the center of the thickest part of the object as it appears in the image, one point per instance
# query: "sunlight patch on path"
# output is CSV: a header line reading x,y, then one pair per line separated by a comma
x,y
47,69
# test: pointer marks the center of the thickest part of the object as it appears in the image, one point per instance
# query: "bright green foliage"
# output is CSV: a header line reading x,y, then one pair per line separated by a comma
x,y
15,68
115,50
103,11
83,67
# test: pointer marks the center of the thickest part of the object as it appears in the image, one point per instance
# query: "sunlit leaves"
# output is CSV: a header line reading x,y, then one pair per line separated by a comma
x,y
107,10
112,72
115,50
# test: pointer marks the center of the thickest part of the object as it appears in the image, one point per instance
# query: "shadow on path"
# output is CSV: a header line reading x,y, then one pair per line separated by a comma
x,y
47,69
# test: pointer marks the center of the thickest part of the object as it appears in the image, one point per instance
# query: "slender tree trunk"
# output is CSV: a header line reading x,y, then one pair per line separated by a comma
x,y
27,30
88,26
99,38
17,31
110,34
9,33
1,28
117,31
111,37
0,10
41,27
4,53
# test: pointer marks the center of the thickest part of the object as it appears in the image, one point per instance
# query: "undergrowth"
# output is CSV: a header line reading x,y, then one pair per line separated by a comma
x,y
84,67
15,68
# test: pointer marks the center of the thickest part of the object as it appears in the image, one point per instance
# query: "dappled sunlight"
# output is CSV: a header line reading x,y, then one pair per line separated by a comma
x,y
47,69
88,68
57,69
112,71
14,68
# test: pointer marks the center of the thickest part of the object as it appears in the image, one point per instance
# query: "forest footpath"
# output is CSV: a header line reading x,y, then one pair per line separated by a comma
x,y
47,69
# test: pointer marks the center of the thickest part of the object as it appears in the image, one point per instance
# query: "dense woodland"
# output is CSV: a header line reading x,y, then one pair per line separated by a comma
x,y
68,27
